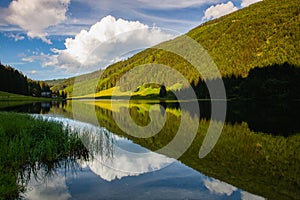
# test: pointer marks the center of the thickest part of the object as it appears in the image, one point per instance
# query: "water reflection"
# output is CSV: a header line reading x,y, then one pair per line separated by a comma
x,y
113,157
277,118
263,164
219,187
235,158
54,188
154,176
32,107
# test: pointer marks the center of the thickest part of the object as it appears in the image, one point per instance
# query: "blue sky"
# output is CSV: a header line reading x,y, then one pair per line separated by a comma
x,y
48,39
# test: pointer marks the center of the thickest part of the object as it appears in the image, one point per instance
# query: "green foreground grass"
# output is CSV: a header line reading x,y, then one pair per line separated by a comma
x,y
30,145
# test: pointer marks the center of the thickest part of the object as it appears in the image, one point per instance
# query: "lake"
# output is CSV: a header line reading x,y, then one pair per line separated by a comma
x,y
154,150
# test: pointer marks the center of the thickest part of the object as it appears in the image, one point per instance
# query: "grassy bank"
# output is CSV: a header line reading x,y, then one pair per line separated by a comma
x,y
6,96
30,145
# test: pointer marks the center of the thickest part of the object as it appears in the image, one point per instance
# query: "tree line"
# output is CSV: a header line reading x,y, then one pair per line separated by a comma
x,y
275,82
13,81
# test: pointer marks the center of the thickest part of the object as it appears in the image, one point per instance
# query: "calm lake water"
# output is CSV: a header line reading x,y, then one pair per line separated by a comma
x,y
256,156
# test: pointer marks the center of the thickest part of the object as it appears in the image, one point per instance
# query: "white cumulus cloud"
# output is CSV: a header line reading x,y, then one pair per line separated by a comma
x,y
34,16
219,10
246,3
105,41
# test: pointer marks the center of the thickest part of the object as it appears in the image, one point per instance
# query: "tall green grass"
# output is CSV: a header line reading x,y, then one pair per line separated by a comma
x,y
30,144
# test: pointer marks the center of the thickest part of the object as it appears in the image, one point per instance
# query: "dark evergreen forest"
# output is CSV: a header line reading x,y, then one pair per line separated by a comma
x,y
13,81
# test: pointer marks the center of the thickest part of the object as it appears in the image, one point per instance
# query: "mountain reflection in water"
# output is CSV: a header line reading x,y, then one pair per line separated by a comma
x,y
250,153
114,159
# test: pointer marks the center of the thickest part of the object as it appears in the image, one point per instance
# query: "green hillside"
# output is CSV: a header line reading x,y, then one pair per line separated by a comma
x,y
263,34
86,82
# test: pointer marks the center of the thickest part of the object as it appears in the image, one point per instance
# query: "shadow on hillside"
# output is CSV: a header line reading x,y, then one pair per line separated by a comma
x,y
271,83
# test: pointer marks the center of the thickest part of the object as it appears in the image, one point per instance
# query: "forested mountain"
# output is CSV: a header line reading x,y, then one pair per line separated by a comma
x,y
261,35
13,81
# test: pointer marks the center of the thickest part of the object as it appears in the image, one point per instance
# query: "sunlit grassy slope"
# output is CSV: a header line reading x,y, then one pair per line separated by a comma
x,y
142,91
115,91
261,35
